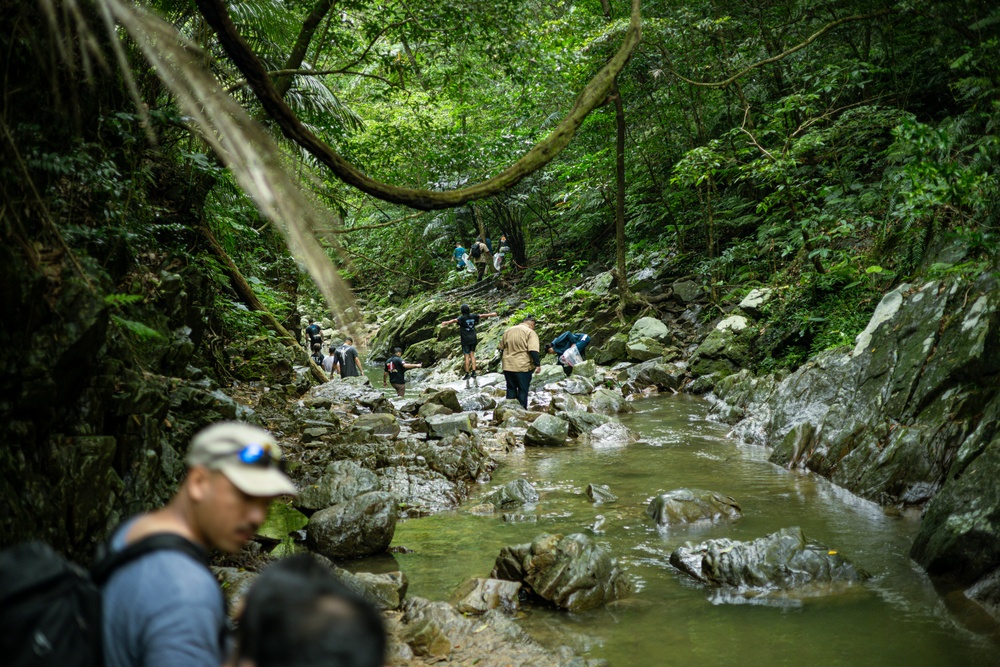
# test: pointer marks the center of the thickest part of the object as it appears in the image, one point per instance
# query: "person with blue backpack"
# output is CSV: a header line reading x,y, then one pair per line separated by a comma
x,y
569,349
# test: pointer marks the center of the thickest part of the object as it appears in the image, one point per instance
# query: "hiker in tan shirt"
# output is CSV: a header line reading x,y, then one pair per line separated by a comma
x,y
521,357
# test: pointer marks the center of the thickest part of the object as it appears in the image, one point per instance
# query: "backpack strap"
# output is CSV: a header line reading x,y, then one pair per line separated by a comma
x,y
110,562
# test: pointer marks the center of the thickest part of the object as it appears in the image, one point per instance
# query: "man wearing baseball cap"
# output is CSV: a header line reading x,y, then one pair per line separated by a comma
x,y
165,606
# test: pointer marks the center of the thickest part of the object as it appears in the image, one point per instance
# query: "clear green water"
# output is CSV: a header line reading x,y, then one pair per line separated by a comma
x,y
894,619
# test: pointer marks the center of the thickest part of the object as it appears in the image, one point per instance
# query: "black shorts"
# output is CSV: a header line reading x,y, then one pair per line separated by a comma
x,y
469,348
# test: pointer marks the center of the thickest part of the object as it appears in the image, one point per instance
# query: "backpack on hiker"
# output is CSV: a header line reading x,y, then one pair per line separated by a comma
x,y
340,355
50,608
477,250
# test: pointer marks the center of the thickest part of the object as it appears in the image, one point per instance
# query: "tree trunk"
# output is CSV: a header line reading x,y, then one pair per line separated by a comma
x,y
246,294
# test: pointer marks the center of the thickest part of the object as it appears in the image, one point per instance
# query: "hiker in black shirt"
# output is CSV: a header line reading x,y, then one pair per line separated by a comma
x,y
467,332
395,371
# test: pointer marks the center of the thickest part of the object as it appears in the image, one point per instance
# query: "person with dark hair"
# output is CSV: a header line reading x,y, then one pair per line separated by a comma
x,y
297,614
330,362
314,335
467,322
565,357
317,354
521,357
165,607
395,371
348,360
481,257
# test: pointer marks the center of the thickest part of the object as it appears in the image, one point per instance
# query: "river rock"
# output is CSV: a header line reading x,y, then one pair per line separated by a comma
x,y
440,426
688,290
654,373
583,422
549,374
360,526
385,590
547,431
724,351
782,560
600,493
478,596
586,369
612,434
446,397
652,329
421,490
513,494
575,385
644,349
510,408
611,351
378,423
563,402
477,401
433,409
682,506
571,572
340,481
607,402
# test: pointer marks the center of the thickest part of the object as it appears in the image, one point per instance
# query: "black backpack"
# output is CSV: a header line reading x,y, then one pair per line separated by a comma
x,y
50,608
477,251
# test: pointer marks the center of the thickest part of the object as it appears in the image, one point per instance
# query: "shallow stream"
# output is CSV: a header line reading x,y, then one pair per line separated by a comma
x,y
896,618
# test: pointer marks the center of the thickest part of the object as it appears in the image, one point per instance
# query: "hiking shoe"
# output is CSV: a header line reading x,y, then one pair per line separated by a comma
x,y
473,373
465,377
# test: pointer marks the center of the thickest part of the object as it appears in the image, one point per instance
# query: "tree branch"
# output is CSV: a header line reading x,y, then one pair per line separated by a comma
x,y
348,230
542,153
784,54
298,54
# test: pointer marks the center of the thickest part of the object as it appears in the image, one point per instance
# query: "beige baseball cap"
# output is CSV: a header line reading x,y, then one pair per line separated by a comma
x,y
247,455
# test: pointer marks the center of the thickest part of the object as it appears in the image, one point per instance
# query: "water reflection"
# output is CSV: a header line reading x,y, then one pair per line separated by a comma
x,y
894,619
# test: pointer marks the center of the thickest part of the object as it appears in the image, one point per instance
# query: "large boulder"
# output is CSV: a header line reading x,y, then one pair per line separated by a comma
x,y
377,423
650,328
612,434
358,527
611,351
339,482
783,560
682,506
421,490
547,431
583,422
513,494
441,426
644,349
724,351
571,572
446,397
607,402
654,373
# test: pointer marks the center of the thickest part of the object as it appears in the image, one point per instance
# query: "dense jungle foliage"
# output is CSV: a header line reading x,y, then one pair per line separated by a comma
x,y
827,148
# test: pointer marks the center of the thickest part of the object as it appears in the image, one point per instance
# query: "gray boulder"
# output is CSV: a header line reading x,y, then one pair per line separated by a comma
x,y
583,422
440,426
420,490
688,290
607,402
547,431
644,349
612,434
513,494
361,526
650,328
571,572
340,481
600,493
478,596
446,397
377,423
782,560
682,506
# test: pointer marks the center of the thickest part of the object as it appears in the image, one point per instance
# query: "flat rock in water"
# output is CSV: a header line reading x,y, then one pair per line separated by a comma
x,y
783,560
571,572
682,506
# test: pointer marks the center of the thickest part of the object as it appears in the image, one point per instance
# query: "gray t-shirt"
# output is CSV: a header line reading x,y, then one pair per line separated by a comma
x,y
350,366
162,610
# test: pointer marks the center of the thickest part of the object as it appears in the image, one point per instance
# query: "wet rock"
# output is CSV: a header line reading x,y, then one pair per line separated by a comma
x,y
574,385
607,402
477,401
682,506
570,572
478,596
782,560
587,369
583,422
385,590
655,373
446,397
600,493
360,526
420,490
724,351
513,494
482,509
547,431
340,481
611,350
564,402
550,373
510,408
433,409
380,423
702,384
440,426
427,638
612,434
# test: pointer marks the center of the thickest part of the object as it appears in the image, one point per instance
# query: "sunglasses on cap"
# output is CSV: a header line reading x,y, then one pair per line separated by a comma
x,y
254,454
